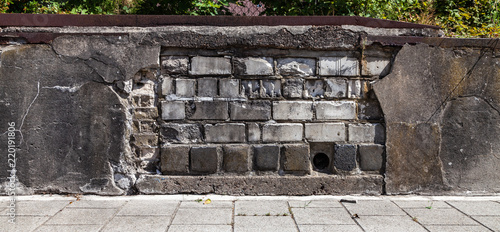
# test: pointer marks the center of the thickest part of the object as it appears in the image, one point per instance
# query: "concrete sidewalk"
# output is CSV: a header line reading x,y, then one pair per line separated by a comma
x,y
229,213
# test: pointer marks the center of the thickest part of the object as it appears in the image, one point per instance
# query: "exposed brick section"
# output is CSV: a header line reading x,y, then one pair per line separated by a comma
x,y
175,159
335,88
253,132
366,133
225,133
292,110
354,90
270,89
371,157
250,88
300,67
314,88
145,140
338,66
253,110
376,66
173,110
181,133
295,158
185,87
336,110
146,113
293,88
282,132
205,160
266,157
207,87
256,66
345,157
229,88
210,66
325,132
167,86
370,110
175,64
209,110
236,158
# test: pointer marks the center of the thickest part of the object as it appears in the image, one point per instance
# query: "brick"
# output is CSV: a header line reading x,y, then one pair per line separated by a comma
x,y
175,159
354,89
376,66
271,89
322,156
210,66
181,133
295,158
208,110
338,66
172,110
225,133
336,88
335,110
367,133
205,160
175,64
145,140
167,86
146,113
345,157
371,157
253,132
250,88
299,67
293,88
292,110
148,126
236,158
256,66
149,153
229,88
314,88
266,157
252,110
370,110
207,87
282,132
185,87
325,132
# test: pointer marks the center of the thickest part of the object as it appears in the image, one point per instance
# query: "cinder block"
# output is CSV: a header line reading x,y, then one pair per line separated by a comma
x,y
367,133
225,133
167,86
314,88
252,110
322,156
253,132
292,110
295,158
354,89
175,159
293,88
338,66
299,67
325,132
271,89
376,66
173,110
256,66
208,110
175,64
371,157
185,87
345,157
181,133
266,157
229,88
145,140
250,88
336,88
207,87
336,110
205,160
201,65
370,110
236,158
282,132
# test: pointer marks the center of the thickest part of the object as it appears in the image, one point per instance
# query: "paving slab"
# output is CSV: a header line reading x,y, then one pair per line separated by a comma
x,y
200,228
485,208
422,204
441,217
212,204
457,228
389,223
491,222
264,224
261,208
66,228
375,208
138,223
324,216
336,228
149,207
78,216
40,208
203,216
315,204
23,223
98,204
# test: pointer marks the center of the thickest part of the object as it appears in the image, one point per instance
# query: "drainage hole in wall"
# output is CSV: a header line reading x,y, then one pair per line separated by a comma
x,y
321,161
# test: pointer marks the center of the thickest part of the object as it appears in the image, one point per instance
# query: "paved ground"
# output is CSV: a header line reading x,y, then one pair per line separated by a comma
x,y
227,213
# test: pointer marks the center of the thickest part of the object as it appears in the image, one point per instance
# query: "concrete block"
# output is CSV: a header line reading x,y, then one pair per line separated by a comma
x,y
270,89
253,132
225,133
292,110
338,66
205,160
295,158
201,65
376,66
207,87
336,110
175,64
185,87
216,110
236,158
172,110
181,133
354,89
266,157
167,86
345,157
299,67
325,132
370,110
322,156
250,88
252,110
314,88
367,133
371,157
336,88
293,88
229,88
282,132
256,66
175,159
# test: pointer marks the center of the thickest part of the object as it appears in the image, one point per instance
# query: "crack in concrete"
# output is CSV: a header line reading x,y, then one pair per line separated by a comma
x,y
27,111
